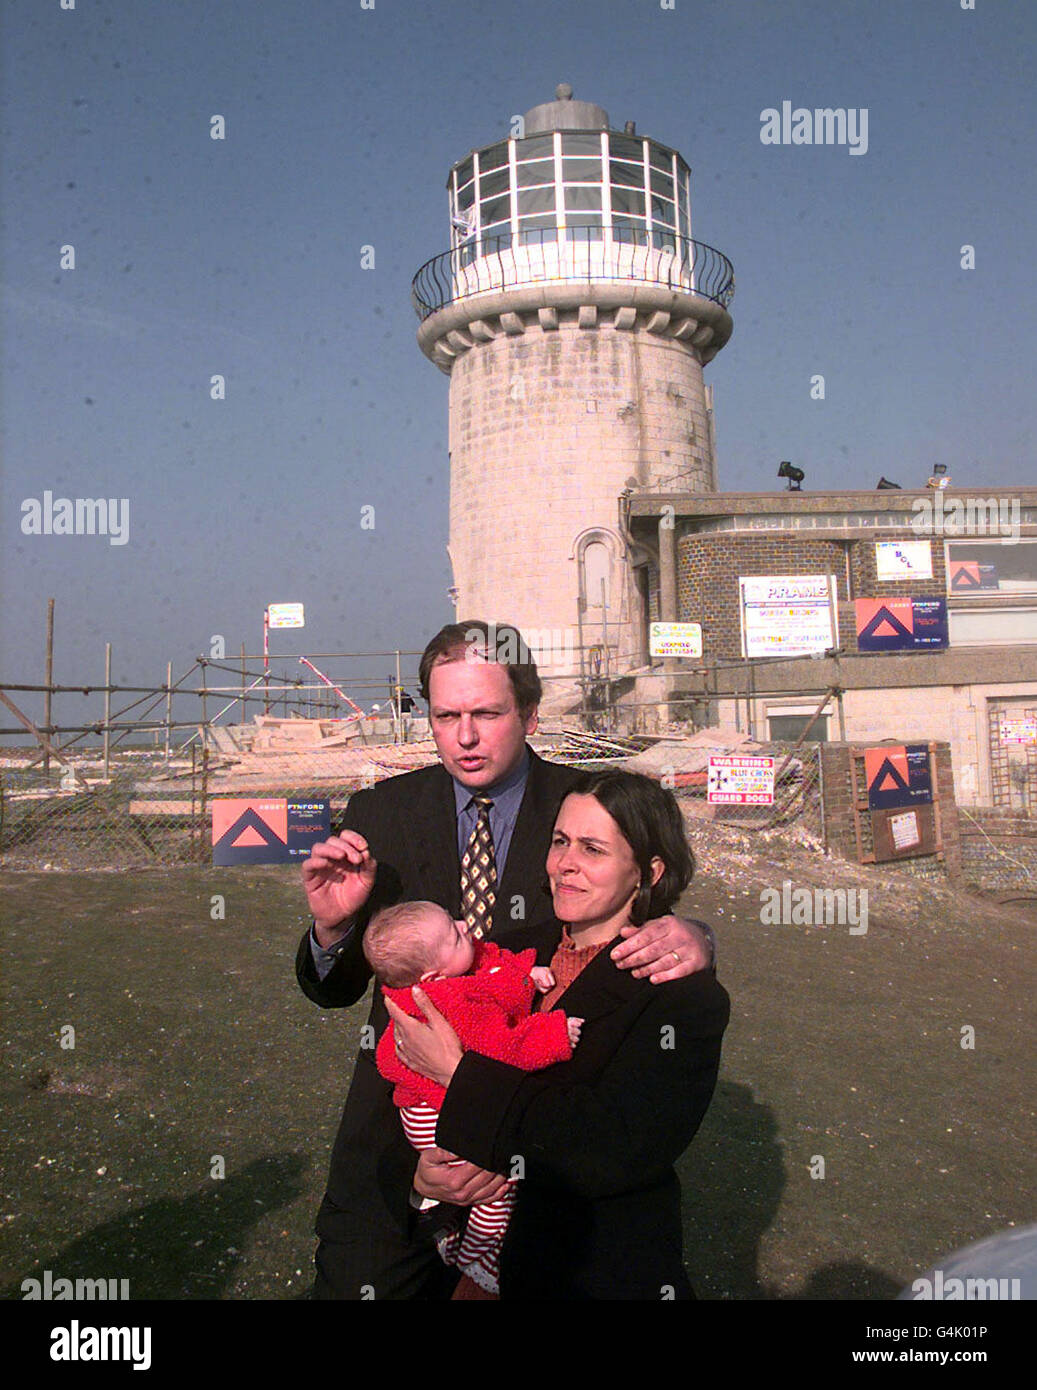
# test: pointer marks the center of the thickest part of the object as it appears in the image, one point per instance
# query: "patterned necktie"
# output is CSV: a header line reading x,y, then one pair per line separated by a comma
x,y
479,873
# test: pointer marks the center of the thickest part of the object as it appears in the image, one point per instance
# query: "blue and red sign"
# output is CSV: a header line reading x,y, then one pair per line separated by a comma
x,y
267,830
901,624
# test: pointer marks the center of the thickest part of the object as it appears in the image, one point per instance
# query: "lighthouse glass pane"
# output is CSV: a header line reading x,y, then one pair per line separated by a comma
x,y
536,200
497,182
623,147
581,170
660,158
628,229
464,172
582,227
496,238
628,200
495,209
580,199
466,197
662,211
493,157
664,241
661,183
536,231
540,171
536,147
631,175
581,144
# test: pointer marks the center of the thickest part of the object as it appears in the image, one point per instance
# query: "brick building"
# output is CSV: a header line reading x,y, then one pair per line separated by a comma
x,y
974,685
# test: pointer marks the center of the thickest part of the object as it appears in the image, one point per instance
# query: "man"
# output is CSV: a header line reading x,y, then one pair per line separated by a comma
x,y
471,835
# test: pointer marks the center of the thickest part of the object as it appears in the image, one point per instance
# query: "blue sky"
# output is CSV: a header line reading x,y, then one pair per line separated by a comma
x,y
242,257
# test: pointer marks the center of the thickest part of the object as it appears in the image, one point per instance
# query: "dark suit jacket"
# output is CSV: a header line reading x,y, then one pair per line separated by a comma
x,y
410,823
598,1213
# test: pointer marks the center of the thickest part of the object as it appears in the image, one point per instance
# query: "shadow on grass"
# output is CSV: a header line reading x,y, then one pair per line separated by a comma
x,y
180,1248
733,1178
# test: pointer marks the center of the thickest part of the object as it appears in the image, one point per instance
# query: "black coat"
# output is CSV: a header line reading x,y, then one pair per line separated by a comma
x,y
598,1213
410,823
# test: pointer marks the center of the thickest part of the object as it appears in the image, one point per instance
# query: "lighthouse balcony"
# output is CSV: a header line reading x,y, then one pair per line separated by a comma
x,y
601,255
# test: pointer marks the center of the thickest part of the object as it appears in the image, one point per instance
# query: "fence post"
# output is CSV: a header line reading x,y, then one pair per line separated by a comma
x,y
169,705
107,706
48,680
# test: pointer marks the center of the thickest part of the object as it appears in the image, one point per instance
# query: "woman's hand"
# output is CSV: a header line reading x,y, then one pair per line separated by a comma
x,y
432,1049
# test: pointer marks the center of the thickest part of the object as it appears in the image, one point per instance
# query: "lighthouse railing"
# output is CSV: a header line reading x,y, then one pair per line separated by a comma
x,y
600,255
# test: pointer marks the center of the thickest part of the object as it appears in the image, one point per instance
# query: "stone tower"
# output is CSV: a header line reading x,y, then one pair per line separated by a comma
x,y
573,314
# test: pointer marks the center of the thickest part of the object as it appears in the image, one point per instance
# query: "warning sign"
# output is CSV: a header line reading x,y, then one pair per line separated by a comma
x,y
898,776
267,830
741,782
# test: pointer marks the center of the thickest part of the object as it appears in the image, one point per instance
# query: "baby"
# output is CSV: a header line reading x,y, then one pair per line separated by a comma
x,y
486,994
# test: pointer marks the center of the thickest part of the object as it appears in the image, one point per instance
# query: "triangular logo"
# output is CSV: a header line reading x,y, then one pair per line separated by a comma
x,y
887,779
884,624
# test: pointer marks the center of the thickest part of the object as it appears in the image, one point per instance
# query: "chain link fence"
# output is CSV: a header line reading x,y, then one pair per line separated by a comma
x,y
150,811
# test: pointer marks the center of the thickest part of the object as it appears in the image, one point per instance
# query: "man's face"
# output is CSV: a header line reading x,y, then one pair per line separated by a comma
x,y
476,724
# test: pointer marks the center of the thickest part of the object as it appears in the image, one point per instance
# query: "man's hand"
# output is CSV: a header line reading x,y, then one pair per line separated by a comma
x,y
446,1178
338,878
543,978
667,948
432,1049
573,1026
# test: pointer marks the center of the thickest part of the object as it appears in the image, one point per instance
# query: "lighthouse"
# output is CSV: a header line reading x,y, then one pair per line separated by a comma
x,y
574,314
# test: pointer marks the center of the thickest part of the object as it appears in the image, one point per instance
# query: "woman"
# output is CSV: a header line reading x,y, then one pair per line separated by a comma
x,y
594,1140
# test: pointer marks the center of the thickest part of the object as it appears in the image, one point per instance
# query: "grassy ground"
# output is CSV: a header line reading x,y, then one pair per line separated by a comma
x,y
194,1045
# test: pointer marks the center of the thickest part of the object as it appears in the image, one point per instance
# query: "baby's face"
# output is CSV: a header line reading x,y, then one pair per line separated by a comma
x,y
454,950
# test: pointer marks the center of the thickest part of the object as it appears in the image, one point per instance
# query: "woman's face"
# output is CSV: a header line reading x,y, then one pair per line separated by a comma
x,y
592,870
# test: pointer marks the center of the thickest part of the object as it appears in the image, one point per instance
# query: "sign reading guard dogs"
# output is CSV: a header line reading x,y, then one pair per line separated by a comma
x,y
741,782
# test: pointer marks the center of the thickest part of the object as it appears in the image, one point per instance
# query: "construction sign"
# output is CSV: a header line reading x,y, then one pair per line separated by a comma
x,y
286,615
898,776
267,830
741,782
1018,728
901,624
675,639
969,576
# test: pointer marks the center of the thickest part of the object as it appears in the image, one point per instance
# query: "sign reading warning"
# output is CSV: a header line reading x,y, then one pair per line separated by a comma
x,y
267,830
741,782
897,776
901,624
